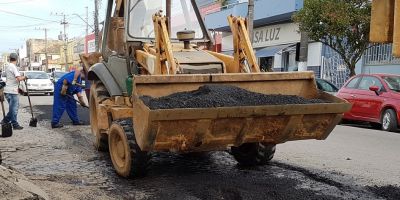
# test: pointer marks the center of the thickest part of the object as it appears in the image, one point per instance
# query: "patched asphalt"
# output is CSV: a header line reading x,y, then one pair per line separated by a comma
x,y
66,156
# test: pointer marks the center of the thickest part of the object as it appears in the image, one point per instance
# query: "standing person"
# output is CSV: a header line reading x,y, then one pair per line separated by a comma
x,y
11,92
67,86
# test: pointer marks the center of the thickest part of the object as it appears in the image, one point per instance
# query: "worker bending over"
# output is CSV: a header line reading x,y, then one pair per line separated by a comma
x,y
67,86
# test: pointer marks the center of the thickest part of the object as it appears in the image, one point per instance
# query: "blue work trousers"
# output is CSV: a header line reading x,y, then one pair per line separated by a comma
x,y
62,103
13,101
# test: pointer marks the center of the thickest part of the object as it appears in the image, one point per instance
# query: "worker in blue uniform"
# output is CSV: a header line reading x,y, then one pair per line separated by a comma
x,y
64,89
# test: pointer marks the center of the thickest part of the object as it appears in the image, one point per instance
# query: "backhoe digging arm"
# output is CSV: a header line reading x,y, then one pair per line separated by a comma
x,y
158,59
164,52
243,50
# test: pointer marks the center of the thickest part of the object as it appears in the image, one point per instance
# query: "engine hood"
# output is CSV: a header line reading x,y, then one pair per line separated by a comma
x,y
39,81
198,62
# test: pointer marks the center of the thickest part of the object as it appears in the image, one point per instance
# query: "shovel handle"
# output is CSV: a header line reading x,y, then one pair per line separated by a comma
x,y
2,108
69,96
29,97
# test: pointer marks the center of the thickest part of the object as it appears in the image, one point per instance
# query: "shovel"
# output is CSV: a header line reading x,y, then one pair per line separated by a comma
x,y
33,122
6,128
69,96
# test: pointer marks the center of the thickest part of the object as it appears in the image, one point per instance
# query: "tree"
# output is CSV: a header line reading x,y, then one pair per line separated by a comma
x,y
342,25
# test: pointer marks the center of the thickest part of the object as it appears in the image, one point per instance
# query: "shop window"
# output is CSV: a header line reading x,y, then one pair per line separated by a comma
x,y
266,64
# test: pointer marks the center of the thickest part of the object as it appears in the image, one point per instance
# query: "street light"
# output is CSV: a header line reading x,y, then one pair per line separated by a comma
x,y
86,21
83,20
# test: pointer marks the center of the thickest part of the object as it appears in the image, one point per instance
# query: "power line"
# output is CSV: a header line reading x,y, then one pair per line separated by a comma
x,y
24,26
26,16
22,1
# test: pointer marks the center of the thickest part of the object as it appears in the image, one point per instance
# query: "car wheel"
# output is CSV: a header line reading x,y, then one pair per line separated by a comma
x,y
389,120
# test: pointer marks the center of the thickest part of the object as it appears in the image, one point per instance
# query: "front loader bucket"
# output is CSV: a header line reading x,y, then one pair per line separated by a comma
x,y
206,129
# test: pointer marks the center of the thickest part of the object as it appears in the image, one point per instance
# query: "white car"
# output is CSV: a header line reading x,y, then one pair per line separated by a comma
x,y
38,83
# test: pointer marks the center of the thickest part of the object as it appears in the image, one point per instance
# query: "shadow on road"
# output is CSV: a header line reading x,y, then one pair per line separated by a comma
x,y
45,112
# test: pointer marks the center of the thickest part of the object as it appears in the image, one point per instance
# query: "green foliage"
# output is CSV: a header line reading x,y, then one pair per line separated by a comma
x,y
341,24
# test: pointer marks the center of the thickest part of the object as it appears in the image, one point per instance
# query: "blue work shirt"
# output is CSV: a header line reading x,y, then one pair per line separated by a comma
x,y
72,89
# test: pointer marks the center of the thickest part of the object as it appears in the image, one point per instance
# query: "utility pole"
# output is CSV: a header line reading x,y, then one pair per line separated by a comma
x,y
250,19
96,24
45,49
87,20
45,46
303,54
64,22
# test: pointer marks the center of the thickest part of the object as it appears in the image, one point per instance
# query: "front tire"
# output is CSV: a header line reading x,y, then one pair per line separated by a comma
x,y
252,154
389,120
127,157
98,93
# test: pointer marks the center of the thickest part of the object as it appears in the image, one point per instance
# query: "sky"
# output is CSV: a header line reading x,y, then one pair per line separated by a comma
x,y
24,19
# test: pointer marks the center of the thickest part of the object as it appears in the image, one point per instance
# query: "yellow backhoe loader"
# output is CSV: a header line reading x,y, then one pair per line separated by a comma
x,y
160,47
385,23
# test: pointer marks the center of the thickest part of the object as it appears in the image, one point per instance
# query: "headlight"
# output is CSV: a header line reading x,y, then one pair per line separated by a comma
x,y
28,84
50,84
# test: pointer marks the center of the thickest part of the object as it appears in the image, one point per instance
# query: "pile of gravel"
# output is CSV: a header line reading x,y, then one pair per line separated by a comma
x,y
222,96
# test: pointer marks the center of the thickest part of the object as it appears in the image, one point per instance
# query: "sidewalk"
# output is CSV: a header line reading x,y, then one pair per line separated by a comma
x,y
16,186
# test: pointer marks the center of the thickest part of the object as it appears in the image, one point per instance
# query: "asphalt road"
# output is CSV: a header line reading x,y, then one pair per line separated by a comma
x,y
353,163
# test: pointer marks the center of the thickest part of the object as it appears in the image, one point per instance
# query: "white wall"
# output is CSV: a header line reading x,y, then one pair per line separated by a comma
x,y
314,54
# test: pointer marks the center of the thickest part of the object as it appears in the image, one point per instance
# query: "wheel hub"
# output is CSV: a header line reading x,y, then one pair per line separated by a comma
x,y
386,120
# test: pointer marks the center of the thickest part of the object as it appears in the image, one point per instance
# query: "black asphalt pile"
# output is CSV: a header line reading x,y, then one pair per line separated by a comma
x,y
222,96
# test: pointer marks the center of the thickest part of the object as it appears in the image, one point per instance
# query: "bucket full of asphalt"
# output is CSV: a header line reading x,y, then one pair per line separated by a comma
x,y
208,96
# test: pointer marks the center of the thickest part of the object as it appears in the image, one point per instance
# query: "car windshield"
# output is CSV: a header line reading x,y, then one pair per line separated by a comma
x,y
59,74
183,17
326,86
393,82
36,75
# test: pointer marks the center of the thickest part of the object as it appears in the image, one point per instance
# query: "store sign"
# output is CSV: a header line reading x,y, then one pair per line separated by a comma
x,y
276,35
79,48
268,36
91,46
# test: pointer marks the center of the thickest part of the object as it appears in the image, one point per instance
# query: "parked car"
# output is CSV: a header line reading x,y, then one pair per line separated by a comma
x,y
326,86
375,99
38,82
57,75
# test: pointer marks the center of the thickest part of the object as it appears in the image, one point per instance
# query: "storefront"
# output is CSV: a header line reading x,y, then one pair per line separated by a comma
x,y
277,47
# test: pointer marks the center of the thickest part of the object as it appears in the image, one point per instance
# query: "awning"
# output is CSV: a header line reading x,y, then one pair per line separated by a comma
x,y
271,51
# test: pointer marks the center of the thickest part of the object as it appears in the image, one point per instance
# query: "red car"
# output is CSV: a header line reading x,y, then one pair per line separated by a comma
x,y
375,99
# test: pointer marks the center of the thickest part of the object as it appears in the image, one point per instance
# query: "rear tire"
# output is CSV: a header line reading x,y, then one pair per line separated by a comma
x,y
98,93
389,120
252,154
127,157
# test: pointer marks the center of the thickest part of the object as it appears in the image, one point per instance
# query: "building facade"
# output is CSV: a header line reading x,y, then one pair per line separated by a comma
x,y
378,58
276,37
36,52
